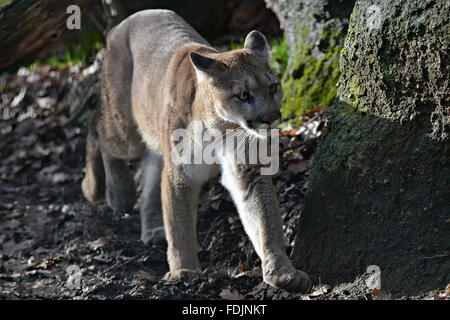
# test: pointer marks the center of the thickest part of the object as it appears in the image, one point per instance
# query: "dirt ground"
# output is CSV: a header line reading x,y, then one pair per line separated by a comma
x,y
47,228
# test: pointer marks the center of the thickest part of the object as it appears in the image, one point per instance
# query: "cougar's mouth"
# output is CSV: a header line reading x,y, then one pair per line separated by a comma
x,y
250,126
253,127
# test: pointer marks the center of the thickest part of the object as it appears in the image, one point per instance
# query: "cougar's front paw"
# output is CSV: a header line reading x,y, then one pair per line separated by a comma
x,y
293,281
283,275
183,275
153,236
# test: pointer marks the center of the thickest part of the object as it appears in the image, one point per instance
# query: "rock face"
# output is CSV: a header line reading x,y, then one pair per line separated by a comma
x,y
315,32
379,189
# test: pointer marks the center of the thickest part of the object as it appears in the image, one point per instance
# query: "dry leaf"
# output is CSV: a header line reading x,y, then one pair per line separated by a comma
x,y
253,273
99,243
241,265
258,291
290,133
315,110
320,290
378,294
45,264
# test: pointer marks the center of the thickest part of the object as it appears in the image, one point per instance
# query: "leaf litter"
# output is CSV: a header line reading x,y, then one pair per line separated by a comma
x,y
46,225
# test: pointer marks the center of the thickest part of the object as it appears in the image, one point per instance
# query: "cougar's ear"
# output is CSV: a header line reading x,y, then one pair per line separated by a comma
x,y
205,66
256,42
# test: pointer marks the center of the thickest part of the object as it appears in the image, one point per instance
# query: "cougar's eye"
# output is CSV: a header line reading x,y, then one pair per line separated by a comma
x,y
243,96
273,87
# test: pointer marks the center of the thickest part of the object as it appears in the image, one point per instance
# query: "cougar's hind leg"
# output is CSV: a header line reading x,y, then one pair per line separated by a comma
x,y
120,186
93,184
152,226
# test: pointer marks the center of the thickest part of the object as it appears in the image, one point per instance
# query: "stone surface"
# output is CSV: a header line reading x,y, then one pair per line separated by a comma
x,y
379,189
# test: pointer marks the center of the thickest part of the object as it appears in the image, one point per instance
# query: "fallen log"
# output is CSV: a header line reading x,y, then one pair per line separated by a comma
x,y
26,26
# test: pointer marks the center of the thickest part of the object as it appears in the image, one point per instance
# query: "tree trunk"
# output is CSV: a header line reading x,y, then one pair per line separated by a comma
x,y
379,190
315,32
26,26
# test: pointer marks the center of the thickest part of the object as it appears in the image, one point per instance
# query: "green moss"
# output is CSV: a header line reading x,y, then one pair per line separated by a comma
x,y
346,142
356,90
237,45
4,2
279,55
356,96
311,82
84,51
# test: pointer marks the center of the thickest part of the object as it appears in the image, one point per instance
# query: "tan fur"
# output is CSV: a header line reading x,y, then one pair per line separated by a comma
x,y
161,75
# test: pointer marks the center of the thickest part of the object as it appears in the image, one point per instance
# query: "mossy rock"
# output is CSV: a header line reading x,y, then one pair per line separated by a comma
x,y
379,189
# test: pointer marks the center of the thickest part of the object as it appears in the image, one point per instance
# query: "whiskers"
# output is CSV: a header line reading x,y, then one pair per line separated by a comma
x,y
239,143
230,139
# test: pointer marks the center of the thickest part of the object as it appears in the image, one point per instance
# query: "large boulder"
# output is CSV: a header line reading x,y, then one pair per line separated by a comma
x,y
379,190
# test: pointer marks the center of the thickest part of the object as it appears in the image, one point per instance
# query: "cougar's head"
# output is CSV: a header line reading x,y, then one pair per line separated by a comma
x,y
240,85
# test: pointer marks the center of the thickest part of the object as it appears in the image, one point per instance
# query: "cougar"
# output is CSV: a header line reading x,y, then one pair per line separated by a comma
x,y
160,75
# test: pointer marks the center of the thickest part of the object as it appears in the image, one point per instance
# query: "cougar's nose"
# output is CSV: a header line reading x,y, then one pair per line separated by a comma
x,y
272,117
270,120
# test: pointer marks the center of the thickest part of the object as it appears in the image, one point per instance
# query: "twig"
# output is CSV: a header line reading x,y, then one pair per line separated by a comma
x,y
117,265
434,257
210,229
